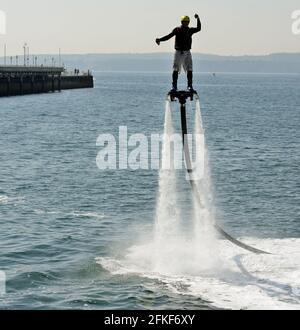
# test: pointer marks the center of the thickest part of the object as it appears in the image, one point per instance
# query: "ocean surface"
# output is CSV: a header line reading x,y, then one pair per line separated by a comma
x,y
76,237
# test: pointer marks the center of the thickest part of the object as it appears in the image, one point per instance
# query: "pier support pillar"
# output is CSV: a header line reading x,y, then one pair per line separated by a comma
x,y
43,84
21,85
32,84
59,83
53,89
8,86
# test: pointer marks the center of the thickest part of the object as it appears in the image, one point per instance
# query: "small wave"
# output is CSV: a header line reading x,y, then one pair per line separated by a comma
x,y
74,213
3,199
38,211
11,200
88,214
113,266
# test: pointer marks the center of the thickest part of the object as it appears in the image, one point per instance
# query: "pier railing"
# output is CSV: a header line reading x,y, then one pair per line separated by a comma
x,y
30,70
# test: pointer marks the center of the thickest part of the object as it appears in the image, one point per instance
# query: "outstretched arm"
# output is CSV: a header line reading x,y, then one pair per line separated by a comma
x,y
166,38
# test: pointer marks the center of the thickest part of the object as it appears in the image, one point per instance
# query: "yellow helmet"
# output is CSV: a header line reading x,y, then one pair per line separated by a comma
x,y
185,19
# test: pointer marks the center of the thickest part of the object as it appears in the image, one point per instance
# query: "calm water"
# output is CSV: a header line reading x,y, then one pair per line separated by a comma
x,y
58,212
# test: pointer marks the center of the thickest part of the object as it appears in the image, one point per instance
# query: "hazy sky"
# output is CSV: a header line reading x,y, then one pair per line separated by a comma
x,y
230,27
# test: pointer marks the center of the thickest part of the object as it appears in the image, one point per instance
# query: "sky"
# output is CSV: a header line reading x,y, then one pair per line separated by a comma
x,y
230,27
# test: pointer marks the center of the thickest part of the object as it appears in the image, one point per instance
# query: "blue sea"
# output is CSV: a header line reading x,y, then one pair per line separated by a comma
x,y
76,237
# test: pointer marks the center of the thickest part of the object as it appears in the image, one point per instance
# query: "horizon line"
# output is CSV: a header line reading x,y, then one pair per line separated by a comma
x,y
154,53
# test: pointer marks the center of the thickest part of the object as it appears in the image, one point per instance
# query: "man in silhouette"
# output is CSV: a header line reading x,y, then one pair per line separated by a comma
x,y
183,45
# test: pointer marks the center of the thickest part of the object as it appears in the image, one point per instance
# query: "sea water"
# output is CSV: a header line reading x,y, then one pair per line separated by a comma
x,y
73,236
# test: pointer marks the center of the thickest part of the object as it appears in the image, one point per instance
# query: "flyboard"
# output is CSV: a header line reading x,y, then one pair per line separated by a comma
x,y
182,97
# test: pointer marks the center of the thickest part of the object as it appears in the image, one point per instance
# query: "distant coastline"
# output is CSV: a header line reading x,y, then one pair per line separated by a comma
x,y
162,62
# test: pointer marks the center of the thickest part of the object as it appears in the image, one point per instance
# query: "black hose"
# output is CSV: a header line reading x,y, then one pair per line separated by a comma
x,y
195,190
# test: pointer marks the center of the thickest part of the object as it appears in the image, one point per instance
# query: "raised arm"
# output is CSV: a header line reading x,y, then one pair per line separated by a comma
x,y
165,38
199,26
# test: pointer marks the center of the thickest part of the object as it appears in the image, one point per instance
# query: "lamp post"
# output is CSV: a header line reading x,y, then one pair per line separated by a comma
x,y
5,54
24,48
28,63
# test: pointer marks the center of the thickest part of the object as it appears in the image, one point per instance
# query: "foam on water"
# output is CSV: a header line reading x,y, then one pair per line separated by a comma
x,y
242,281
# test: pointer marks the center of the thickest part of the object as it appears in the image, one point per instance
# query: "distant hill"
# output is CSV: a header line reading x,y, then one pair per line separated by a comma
x,y
273,63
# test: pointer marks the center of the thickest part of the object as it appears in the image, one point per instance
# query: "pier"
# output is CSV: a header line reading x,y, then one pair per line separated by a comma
x,y
21,80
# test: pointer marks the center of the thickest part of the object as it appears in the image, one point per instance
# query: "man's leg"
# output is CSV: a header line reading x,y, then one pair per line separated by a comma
x,y
176,69
175,80
190,79
189,69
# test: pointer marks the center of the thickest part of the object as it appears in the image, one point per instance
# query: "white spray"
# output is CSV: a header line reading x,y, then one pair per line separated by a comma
x,y
174,252
167,213
167,216
205,235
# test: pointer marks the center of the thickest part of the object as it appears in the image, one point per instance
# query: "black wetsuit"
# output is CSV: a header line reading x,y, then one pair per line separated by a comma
x,y
183,40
